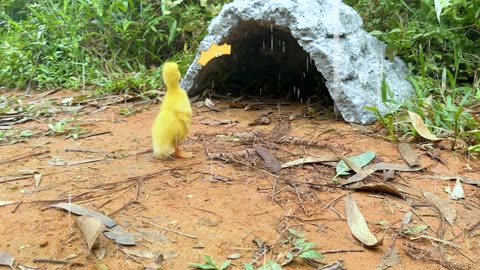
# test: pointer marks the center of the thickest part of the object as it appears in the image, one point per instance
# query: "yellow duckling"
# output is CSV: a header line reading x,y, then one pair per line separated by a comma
x,y
173,122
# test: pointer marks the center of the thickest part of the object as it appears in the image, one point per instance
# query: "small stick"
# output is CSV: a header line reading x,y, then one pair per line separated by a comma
x,y
170,230
341,251
22,156
208,211
17,206
56,261
93,134
86,151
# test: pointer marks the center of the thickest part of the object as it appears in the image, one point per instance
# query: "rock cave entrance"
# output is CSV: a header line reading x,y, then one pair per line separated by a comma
x,y
267,61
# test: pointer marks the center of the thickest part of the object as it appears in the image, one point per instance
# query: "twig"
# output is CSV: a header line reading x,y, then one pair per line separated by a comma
x,y
208,211
17,206
93,134
341,251
334,201
86,151
167,229
437,240
22,156
56,261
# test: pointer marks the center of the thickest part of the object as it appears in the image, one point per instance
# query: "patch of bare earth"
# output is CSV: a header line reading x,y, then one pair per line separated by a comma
x,y
187,208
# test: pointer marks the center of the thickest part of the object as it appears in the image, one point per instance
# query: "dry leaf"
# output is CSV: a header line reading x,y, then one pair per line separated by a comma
x,y
338,265
100,252
407,218
369,169
443,206
464,179
389,259
146,254
79,210
38,178
457,192
379,187
262,120
310,159
421,128
270,160
211,105
408,154
6,259
119,235
357,224
91,228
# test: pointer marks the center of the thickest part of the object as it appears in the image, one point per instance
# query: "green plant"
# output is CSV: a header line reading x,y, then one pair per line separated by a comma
x,y
210,264
63,127
73,44
438,41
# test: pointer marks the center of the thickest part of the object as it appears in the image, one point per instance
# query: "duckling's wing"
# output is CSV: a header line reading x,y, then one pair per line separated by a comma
x,y
185,119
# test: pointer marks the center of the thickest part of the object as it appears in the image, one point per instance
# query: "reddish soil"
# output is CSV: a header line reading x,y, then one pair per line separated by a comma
x,y
225,206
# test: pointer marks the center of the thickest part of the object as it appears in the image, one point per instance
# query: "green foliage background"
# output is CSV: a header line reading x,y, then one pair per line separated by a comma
x,y
112,44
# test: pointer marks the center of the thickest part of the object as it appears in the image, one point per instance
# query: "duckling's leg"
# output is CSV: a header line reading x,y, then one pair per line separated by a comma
x,y
182,154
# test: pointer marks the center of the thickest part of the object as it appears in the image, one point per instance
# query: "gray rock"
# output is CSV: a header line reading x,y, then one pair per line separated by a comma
x,y
326,32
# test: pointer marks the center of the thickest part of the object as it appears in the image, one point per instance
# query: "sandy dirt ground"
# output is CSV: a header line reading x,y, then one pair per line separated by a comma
x,y
182,209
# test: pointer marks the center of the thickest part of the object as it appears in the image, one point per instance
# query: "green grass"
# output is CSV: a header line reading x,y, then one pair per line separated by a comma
x,y
94,44
440,45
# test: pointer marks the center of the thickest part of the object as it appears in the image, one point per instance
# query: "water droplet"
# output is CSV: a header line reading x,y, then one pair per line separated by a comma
x,y
264,44
308,61
304,75
283,47
260,91
213,84
298,92
271,42
301,101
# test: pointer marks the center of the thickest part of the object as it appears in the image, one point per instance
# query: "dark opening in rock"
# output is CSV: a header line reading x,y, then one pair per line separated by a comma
x,y
267,61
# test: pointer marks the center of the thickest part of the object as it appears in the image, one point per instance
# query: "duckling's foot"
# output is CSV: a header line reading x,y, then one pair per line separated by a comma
x,y
182,154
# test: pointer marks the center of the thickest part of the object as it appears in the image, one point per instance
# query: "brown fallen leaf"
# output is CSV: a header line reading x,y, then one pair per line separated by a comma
x,y
262,120
389,259
80,210
369,169
310,159
357,224
408,155
91,228
211,105
443,206
464,179
379,187
421,128
270,160
435,154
